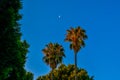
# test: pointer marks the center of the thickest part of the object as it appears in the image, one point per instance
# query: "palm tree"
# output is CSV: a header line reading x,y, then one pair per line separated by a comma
x,y
54,54
76,37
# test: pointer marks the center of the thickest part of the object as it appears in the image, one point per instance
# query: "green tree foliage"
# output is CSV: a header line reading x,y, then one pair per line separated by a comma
x,y
76,37
64,72
12,49
29,76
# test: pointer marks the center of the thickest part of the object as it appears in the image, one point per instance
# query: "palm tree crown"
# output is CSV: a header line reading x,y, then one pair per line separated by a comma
x,y
76,38
54,54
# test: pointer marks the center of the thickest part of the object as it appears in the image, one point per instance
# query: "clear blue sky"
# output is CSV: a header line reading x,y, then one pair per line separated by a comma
x,y
101,20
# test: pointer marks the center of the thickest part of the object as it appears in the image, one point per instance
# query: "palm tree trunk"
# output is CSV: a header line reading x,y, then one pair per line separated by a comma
x,y
75,66
52,75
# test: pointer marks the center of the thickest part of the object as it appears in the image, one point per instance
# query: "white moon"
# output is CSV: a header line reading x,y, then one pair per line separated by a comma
x,y
59,16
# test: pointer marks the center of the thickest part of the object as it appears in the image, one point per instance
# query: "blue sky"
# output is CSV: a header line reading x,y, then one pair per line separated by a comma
x,y
101,20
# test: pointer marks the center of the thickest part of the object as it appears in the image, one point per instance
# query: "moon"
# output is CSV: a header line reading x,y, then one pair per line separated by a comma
x,y
59,16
